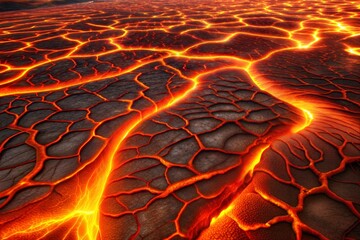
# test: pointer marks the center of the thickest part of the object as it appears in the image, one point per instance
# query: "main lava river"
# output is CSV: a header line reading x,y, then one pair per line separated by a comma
x,y
234,120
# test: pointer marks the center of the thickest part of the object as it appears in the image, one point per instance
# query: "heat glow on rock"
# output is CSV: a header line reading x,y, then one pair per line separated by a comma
x,y
180,120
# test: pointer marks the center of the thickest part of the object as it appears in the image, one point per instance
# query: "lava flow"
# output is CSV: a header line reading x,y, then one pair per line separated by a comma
x,y
174,120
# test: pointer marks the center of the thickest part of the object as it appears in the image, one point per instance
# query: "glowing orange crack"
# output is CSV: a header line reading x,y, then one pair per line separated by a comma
x,y
215,224
88,213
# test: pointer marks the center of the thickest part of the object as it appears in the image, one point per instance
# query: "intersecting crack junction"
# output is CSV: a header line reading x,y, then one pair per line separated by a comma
x,y
236,120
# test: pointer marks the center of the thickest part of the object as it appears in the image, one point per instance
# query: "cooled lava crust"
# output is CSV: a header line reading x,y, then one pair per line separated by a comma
x,y
181,120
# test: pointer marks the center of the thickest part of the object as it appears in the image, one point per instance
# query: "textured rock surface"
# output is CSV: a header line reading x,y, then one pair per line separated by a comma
x,y
168,120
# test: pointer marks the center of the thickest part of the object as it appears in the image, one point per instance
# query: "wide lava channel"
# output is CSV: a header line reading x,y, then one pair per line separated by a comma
x,y
236,120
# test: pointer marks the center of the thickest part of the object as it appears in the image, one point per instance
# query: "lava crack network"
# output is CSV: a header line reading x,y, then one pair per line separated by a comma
x,y
174,120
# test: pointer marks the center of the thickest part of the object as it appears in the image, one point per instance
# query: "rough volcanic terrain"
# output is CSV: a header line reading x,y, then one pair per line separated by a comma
x,y
181,120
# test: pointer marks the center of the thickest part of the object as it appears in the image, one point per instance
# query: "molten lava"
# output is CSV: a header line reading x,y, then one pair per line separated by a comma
x,y
165,120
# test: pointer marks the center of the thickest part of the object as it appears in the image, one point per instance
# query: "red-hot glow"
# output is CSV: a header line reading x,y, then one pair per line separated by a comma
x,y
125,44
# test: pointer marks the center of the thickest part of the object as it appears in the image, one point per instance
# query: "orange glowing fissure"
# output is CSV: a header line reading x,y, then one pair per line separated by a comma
x,y
215,224
83,218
